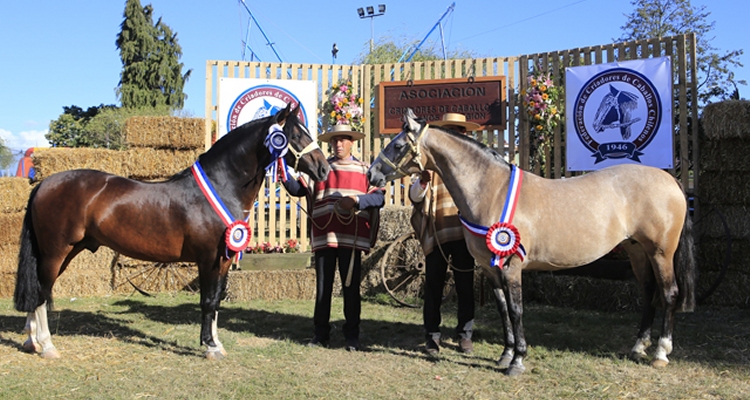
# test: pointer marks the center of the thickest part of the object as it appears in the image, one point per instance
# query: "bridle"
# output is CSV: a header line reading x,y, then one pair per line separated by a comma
x,y
414,150
299,154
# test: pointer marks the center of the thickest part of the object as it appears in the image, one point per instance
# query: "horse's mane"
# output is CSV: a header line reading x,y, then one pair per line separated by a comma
x,y
475,143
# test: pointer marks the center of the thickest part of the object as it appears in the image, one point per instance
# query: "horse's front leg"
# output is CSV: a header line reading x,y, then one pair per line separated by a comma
x,y
212,278
511,283
39,337
510,341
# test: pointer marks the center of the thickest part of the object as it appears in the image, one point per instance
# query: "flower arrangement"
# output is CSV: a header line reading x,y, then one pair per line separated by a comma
x,y
540,100
291,246
344,107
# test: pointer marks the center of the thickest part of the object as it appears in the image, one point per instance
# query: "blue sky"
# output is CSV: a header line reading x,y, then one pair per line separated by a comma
x,y
61,53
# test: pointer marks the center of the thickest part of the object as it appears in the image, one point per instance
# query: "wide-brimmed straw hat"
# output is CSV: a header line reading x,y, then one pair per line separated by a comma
x,y
458,120
340,130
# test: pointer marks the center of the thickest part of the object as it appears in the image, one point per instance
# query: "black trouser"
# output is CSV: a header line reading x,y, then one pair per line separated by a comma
x,y
325,270
435,282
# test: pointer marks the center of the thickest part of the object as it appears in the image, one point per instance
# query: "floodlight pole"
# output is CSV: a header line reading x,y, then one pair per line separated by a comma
x,y
371,13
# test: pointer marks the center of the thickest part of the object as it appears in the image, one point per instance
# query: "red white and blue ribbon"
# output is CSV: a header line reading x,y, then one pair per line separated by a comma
x,y
502,237
238,232
277,144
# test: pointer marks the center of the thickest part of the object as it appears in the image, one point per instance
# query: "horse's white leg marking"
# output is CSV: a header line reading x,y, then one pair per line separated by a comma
x,y
43,336
662,351
31,345
639,350
217,351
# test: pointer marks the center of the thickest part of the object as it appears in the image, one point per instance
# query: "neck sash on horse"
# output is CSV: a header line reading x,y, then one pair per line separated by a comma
x,y
238,231
502,238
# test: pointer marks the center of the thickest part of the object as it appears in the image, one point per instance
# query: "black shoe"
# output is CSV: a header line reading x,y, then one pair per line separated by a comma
x,y
431,347
318,342
352,344
466,346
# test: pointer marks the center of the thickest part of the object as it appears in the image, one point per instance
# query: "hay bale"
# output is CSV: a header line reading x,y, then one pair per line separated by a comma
x,y
724,155
87,275
581,292
727,119
165,132
10,228
8,258
731,291
720,188
7,284
149,164
271,285
52,160
14,194
394,222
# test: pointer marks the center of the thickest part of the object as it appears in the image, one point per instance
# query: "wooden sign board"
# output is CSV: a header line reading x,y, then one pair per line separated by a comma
x,y
480,99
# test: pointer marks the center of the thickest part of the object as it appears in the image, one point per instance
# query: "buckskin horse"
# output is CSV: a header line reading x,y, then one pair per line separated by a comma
x,y
561,223
166,221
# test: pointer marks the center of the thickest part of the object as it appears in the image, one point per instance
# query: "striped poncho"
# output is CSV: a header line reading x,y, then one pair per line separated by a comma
x,y
332,227
437,205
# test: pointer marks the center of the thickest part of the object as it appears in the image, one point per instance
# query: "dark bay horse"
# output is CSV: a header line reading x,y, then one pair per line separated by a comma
x,y
166,221
562,223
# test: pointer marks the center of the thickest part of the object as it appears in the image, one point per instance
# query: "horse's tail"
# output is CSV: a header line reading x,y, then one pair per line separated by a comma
x,y
28,295
685,269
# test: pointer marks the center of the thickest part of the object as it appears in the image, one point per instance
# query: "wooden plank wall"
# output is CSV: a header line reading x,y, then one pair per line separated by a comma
x,y
276,227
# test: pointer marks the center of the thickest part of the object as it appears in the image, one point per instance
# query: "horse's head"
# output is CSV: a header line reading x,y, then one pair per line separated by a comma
x,y
402,156
303,153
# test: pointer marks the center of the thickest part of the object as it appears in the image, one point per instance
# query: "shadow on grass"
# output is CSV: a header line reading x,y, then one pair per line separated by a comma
x,y
714,336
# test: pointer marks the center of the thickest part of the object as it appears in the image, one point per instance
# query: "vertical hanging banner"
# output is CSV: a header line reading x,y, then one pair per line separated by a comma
x,y
243,99
619,113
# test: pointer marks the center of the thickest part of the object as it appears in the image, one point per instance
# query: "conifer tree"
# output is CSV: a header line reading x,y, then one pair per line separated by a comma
x,y
152,74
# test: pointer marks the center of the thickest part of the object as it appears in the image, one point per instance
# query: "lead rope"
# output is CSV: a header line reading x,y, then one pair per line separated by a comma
x,y
434,232
345,220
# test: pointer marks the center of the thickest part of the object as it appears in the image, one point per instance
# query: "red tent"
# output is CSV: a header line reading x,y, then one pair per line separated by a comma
x,y
25,164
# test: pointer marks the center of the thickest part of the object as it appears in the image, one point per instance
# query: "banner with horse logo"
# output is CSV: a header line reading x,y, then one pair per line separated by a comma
x,y
244,99
619,113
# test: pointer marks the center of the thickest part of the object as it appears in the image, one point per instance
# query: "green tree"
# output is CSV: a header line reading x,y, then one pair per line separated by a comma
x,y
99,127
152,74
6,155
389,51
661,18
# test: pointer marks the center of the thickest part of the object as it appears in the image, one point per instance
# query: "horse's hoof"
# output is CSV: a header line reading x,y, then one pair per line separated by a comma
x,y
215,355
30,347
659,363
638,357
515,370
504,361
50,354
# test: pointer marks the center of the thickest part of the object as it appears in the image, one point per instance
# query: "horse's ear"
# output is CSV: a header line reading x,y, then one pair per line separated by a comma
x,y
282,115
410,121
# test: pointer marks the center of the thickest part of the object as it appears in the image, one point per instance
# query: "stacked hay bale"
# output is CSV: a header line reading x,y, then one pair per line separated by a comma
x,y
158,147
14,193
723,191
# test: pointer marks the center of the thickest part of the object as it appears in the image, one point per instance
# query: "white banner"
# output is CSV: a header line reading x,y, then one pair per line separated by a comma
x,y
619,113
243,99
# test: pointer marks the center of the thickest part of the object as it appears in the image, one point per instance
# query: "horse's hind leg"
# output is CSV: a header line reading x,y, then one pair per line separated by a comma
x,y
641,266
667,282
40,338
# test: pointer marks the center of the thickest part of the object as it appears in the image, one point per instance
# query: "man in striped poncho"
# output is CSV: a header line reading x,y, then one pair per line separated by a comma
x,y
341,231
439,229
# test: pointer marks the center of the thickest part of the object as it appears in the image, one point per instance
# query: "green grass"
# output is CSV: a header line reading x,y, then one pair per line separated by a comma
x,y
136,347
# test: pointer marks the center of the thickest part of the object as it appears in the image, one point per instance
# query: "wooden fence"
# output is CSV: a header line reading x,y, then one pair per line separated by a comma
x,y
276,217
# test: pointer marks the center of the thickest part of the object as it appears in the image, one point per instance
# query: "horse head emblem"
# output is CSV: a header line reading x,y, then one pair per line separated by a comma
x,y
266,110
615,111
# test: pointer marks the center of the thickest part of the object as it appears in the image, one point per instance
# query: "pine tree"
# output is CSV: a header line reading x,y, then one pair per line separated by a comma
x,y
662,18
152,74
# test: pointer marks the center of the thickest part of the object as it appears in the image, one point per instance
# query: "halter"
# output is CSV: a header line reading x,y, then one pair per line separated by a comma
x,y
277,145
414,150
